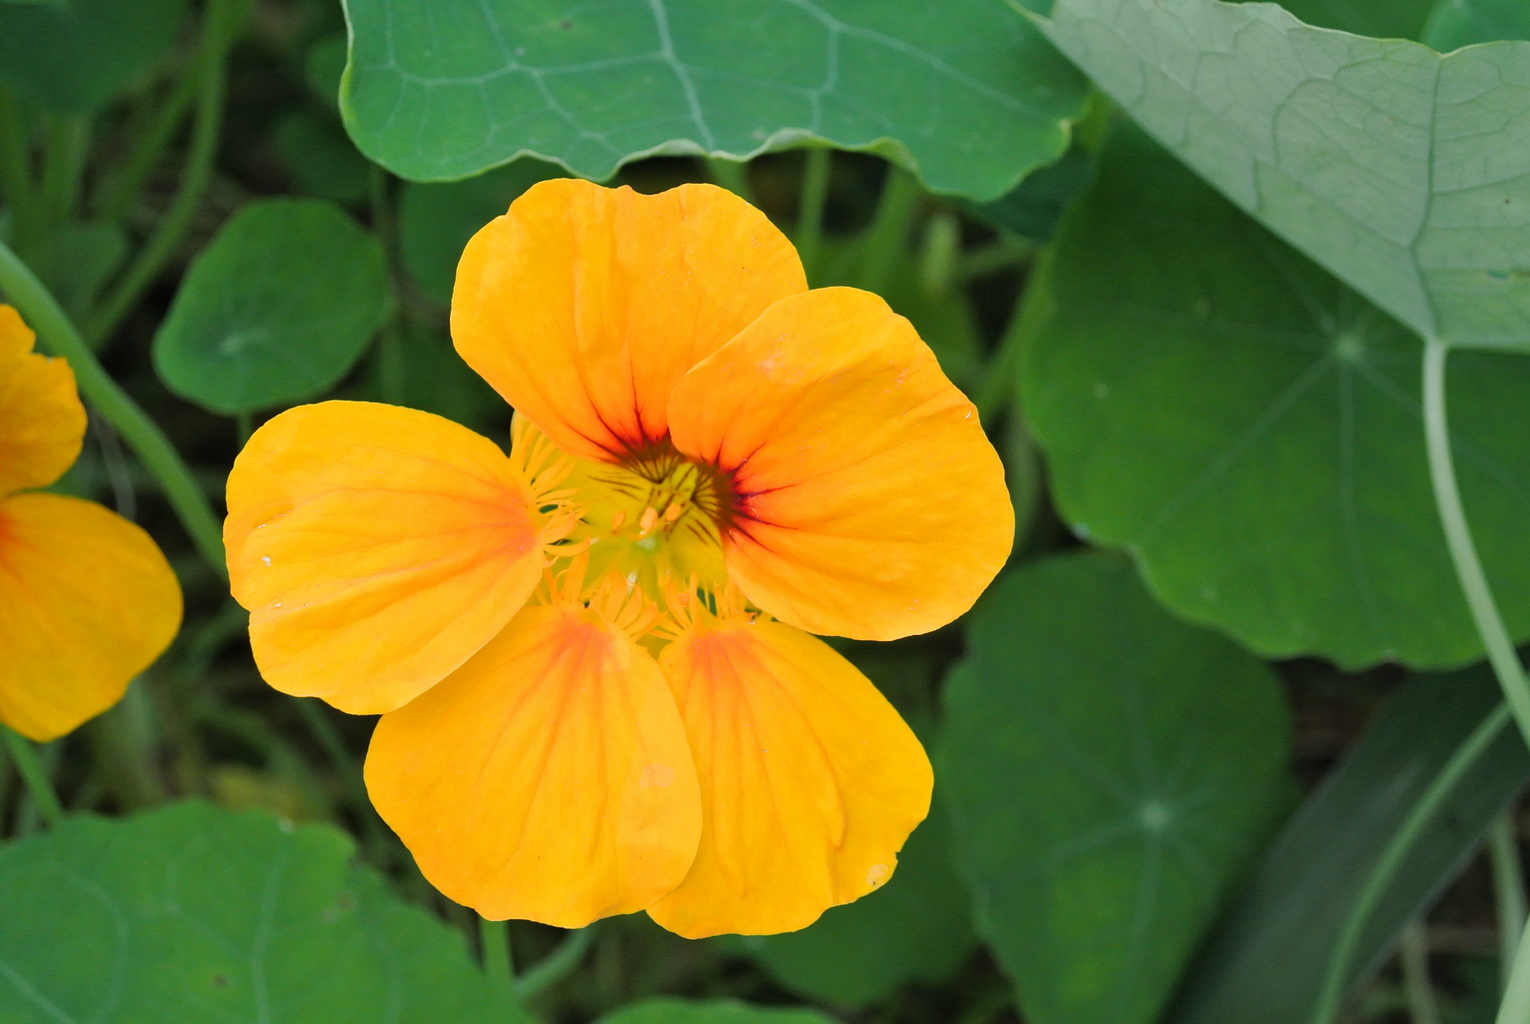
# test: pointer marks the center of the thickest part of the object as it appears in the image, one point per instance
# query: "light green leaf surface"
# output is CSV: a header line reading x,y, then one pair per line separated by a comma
x,y
275,310
1267,958
1249,428
435,221
1405,173
969,96
73,57
1110,772
719,1011
190,913
1457,23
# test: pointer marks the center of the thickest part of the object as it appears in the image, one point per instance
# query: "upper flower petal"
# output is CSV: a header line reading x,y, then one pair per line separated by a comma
x,y
87,601
810,781
548,778
867,500
42,423
584,305
376,548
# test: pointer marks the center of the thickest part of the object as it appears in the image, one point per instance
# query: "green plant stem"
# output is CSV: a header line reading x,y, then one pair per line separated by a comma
x,y
886,239
1508,884
42,312
731,175
1396,852
16,169
1463,550
494,945
817,163
997,389
557,965
67,140
1423,1008
389,360
126,185
219,28
126,764
347,769
35,777
1515,1008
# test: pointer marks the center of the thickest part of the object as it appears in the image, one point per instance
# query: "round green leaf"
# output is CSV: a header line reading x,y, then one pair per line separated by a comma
x,y
966,93
1110,772
720,1011
192,913
1249,428
275,310
435,221
74,56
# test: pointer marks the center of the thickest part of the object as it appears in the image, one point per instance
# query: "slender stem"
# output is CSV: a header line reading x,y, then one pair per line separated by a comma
x,y
886,239
59,335
1396,852
1423,1008
1508,885
32,773
16,168
219,28
125,760
557,965
997,389
1515,1008
731,175
123,188
347,769
67,140
815,196
1463,550
389,360
994,257
494,945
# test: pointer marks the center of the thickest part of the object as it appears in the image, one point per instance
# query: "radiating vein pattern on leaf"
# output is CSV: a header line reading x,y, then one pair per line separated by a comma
x,y
1405,173
970,100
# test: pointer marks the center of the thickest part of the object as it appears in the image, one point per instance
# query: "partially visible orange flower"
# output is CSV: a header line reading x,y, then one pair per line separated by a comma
x,y
87,600
592,657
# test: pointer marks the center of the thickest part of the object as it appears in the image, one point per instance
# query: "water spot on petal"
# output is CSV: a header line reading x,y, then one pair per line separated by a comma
x,y
657,775
877,875
265,559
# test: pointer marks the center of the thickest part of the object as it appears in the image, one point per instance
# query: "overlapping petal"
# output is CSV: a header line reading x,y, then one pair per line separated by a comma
x,y
867,500
583,305
548,778
377,549
810,781
42,423
87,601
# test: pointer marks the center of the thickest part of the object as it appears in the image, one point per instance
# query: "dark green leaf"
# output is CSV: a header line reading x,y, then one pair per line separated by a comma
x,y
1384,19
321,159
190,913
324,67
1110,771
436,221
75,56
721,1011
1405,173
76,260
1032,208
1249,428
275,310
969,99
1457,23
1266,960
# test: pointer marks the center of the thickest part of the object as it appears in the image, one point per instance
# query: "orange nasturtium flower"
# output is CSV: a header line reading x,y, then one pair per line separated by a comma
x,y
593,660
87,600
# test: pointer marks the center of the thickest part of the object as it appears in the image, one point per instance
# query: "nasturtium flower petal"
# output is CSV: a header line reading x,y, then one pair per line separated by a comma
x,y
42,423
583,305
810,781
867,500
548,778
87,601
376,548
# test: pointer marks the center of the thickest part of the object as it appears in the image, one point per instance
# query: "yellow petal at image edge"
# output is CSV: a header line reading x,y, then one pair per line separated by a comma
x,y
810,780
376,548
870,504
42,423
584,305
87,601
547,779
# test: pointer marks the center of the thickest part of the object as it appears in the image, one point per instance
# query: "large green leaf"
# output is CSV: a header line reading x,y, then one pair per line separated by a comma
x,y
191,913
1457,23
74,56
1249,428
965,93
1110,771
719,1011
1405,173
276,309
1266,960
